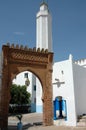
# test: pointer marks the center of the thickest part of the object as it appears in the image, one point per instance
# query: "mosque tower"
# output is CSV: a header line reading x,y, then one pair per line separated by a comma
x,y
44,28
43,40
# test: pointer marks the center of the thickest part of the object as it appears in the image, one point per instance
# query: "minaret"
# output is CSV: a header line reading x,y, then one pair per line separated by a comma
x,y
44,28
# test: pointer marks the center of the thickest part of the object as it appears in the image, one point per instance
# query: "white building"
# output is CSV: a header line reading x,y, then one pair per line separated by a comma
x,y
69,77
24,77
69,83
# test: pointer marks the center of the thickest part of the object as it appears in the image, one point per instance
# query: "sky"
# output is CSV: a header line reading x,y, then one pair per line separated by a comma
x,y
18,25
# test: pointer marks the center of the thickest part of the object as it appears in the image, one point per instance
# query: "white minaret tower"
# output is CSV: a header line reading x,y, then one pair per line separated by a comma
x,y
44,28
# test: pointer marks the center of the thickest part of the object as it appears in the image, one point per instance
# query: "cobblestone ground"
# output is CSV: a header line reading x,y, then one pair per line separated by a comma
x,y
34,122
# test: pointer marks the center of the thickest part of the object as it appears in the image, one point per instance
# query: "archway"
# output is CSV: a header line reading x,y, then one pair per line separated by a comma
x,y
17,59
33,86
31,108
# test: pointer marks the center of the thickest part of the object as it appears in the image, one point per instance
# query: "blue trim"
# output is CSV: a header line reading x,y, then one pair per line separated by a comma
x,y
64,108
57,104
54,110
33,107
39,109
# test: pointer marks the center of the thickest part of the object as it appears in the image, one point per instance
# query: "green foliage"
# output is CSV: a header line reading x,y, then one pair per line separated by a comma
x,y
19,95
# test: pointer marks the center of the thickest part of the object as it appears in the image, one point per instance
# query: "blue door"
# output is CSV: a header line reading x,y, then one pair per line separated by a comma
x,y
57,107
64,109
60,109
54,108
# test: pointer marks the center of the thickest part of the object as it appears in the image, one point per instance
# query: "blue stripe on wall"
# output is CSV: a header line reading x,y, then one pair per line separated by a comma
x,y
39,109
33,107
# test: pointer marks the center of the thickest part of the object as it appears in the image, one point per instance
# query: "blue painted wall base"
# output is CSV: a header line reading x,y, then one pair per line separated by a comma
x,y
39,109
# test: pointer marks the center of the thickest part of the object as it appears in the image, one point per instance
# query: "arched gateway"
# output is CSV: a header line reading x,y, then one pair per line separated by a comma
x,y
17,59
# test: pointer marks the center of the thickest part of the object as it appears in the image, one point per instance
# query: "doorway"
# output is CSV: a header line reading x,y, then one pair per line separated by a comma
x,y
60,109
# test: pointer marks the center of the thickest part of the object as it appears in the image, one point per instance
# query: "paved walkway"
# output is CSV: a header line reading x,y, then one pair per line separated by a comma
x,y
49,128
34,122
56,128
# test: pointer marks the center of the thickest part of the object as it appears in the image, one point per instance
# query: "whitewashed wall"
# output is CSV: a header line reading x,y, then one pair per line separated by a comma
x,y
39,105
63,71
80,88
20,80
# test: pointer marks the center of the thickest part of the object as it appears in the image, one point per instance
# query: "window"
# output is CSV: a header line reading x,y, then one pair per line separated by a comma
x,y
15,77
25,75
34,87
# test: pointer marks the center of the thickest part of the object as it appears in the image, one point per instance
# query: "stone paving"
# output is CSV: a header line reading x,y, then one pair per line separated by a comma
x,y
34,122
49,128
56,128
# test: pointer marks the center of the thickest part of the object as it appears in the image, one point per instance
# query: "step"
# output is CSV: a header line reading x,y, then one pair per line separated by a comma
x,y
83,124
60,122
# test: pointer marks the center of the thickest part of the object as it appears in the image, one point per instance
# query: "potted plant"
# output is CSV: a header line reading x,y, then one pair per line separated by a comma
x,y
19,124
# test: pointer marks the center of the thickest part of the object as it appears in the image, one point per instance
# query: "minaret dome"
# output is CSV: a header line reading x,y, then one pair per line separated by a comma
x,y
43,6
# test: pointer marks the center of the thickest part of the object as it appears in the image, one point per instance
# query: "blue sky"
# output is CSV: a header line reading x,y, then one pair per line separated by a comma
x,y
18,25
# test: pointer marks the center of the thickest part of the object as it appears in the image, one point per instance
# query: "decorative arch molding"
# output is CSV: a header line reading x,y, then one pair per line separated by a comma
x,y
17,59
